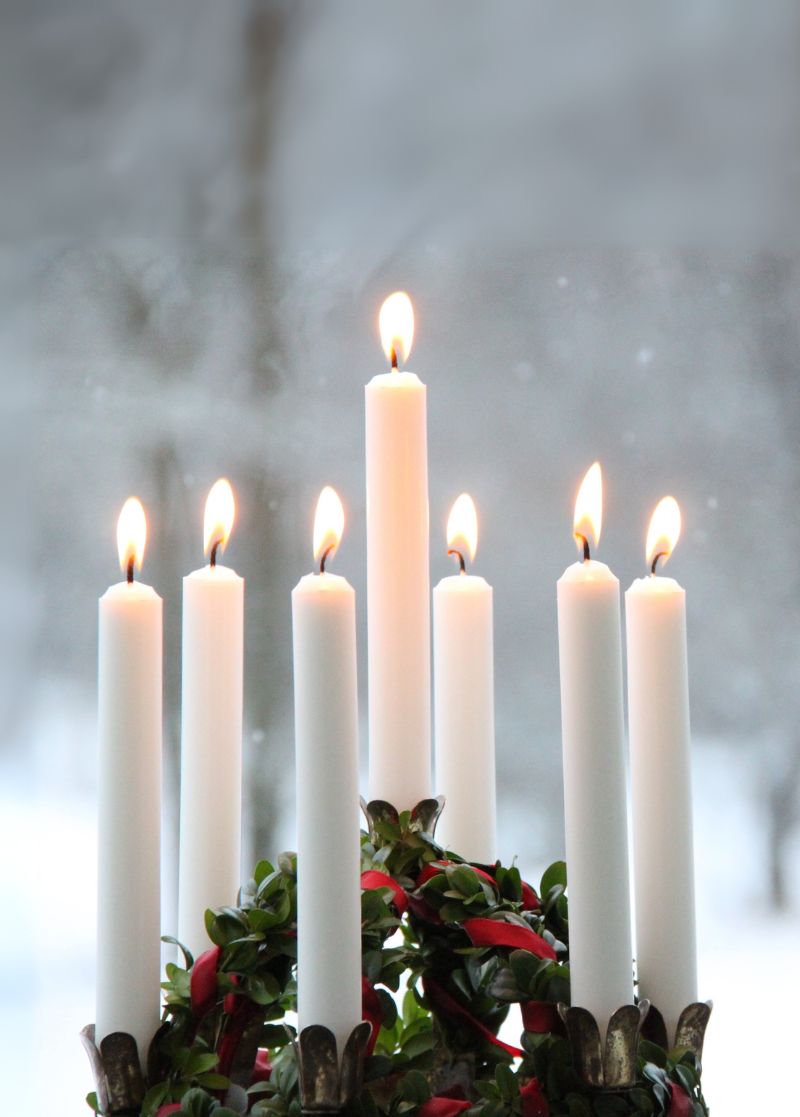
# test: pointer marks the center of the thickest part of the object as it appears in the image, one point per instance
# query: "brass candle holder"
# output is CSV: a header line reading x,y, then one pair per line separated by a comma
x,y
424,815
326,1084
118,1076
689,1033
609,1066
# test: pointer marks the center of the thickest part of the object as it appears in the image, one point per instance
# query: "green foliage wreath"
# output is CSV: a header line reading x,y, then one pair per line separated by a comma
x,y
463,941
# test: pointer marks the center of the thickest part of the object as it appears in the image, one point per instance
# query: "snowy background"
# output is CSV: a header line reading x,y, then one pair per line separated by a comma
x,y
203,207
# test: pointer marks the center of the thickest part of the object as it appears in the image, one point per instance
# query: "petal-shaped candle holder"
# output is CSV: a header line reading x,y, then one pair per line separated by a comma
x,y
117,1072
424,815
611,1067
325,1085
689,1033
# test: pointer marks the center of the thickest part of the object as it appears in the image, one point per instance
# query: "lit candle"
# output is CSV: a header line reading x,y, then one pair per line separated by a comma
x,y
211,730
658,718
463,671
326,759
398,579
129,792
590,655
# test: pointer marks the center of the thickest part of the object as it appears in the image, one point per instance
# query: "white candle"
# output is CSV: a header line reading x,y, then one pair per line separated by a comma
x,y
211,731
658,717
326,758
463,671
398,579
590,655
128,837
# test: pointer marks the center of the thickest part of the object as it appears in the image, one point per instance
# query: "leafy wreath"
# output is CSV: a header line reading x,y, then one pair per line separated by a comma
x,y
464,940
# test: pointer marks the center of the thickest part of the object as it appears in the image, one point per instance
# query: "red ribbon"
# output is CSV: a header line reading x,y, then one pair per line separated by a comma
x,y
173,1107
530,901
534,1102
496,932
681,1104
244,1012
442,1107
371,1010
449,1006
540,1017
262,1068
374,879
203,982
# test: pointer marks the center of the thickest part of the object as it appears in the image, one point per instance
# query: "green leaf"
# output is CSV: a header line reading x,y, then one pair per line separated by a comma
x,y
213,1081
262,871
555,874
507,1083
92,1102
199,1062
465,879
188,957
154,1097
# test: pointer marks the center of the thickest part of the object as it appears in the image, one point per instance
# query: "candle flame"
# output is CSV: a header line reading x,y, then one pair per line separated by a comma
x,y
589,508
462,526
328,522
219,517
396,324
131,533
664,530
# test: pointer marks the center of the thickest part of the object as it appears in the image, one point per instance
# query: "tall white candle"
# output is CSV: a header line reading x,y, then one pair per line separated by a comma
x,y
211,730
398,578
590,656
129,791
463,671
658,718
326,758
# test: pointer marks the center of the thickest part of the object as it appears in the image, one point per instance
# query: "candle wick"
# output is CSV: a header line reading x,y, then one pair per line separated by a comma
x,y
586,555
461,563
129,571
213,556
393,355
661,554
324,558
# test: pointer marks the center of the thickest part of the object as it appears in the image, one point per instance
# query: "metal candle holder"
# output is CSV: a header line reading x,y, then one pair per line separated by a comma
x,y
326,1087
689,1033
424,815
610,1067
118,1076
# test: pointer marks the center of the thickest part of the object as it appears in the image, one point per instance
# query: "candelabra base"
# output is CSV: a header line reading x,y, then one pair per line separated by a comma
x,y
326,1086
424,816
610,1067
690,1031
117,1070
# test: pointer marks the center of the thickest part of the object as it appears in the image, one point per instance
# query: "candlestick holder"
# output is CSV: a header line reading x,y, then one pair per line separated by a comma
x,y
325,1085
610,1067
424,815
118,1076
689,1033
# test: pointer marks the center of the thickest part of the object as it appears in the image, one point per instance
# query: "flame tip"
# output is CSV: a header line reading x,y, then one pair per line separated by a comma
x,y
131,535
588,518
220,513
663,531
328,522
462,525
396,326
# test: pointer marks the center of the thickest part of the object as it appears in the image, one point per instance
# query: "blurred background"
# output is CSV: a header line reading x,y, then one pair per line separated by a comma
x,y
594,211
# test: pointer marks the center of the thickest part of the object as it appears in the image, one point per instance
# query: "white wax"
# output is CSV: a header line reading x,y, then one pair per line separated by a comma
x,y
595,800
211,749
658,716
129,823
463,671
398,583
328,841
